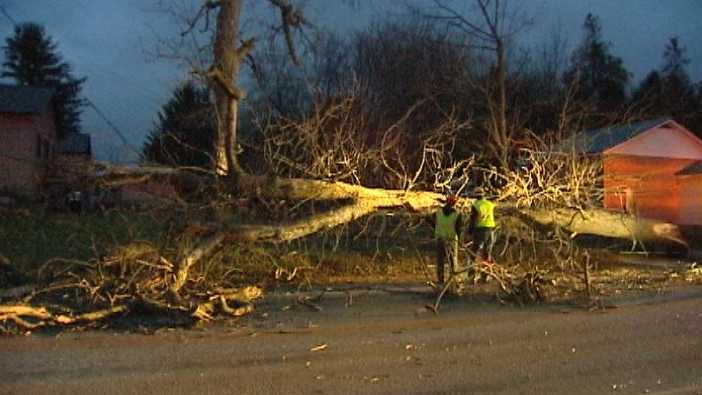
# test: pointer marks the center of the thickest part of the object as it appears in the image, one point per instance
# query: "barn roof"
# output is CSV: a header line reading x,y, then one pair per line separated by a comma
x,y
75,143
695,168
23,99
596,141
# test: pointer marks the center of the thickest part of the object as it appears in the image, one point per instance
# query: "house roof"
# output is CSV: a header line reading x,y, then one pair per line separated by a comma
x,y
596,141
23,99
695,168
75,143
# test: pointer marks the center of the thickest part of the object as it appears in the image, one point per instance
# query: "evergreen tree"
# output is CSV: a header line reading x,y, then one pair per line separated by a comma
x,y
185,131
599,76
649,95
677,85
669,92
31,58
675,60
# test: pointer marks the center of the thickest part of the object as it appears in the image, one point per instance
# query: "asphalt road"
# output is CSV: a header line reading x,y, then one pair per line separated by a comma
x,y
381,343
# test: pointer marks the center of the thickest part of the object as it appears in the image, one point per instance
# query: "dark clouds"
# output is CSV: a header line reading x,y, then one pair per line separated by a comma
x,y
108,41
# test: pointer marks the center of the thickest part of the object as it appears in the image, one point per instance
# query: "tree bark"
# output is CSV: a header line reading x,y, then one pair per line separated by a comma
x,y
228,64
606,223
202,248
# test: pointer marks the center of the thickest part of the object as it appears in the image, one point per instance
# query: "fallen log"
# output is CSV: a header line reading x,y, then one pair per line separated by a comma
x,y
364,201
91,316
20,314
606,223
241,300
23,310
594,221
204,247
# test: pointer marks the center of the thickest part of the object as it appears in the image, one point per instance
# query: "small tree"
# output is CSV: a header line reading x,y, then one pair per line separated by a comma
x,y
184,133
31,58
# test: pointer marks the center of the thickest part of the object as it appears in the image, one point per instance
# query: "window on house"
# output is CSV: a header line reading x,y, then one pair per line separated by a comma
x,y
46,150
43,148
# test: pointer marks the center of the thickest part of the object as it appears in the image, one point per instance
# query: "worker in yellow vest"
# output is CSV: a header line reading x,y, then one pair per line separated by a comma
x,y
482,225
448,224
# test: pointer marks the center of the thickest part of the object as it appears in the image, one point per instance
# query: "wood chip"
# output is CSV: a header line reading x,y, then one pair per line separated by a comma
x,y
320,347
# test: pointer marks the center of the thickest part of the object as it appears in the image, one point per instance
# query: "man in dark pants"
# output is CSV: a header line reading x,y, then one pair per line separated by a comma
x,y
447,230
482,226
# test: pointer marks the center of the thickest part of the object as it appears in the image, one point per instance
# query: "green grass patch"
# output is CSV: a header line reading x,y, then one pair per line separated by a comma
x,y
28,238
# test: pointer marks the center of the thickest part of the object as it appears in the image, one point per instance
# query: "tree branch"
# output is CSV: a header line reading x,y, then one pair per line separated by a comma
x,y
205,8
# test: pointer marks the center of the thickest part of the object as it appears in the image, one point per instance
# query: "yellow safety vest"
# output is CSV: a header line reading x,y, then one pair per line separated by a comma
x,y
446,225
485,210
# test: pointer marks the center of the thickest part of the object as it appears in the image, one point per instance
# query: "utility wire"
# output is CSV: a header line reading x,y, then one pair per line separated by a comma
x,y
8,16
112,126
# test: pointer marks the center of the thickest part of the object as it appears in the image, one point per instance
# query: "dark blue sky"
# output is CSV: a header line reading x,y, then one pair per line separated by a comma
x,y
108,41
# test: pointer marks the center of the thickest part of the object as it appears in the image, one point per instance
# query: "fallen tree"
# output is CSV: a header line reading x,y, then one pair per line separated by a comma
x,y
143,280
361,201
556,194
607,223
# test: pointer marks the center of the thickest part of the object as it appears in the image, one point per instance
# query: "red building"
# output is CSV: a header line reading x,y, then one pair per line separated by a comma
x,y
27,137
652,169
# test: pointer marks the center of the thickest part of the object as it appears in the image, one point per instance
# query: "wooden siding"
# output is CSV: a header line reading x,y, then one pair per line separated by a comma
x,y
640,175
646,185
690,192
27,142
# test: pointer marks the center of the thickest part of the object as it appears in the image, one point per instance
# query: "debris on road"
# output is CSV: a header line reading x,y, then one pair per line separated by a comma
x,y
320,347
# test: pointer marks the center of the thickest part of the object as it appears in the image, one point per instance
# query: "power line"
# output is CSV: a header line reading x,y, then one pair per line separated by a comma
x,y
112,126
8,16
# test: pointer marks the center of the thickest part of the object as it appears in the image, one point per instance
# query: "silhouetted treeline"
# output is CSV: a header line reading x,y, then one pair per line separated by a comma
x,y
412,73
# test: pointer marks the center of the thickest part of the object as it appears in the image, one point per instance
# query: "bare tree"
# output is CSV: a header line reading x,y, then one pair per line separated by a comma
x,y
497,24
230,49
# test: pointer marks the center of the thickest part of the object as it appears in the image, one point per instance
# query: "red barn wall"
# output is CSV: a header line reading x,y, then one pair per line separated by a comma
x,y
651,183
21,169
690,192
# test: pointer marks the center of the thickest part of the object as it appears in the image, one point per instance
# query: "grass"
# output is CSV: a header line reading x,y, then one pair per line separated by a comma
x,y
29,238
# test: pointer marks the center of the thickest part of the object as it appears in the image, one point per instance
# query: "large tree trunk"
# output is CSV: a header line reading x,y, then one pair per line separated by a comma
x,y
503,131
230,50
606,223
364,201
225,73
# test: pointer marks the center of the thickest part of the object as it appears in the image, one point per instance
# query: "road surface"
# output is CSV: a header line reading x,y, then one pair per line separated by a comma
x,y
380,342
